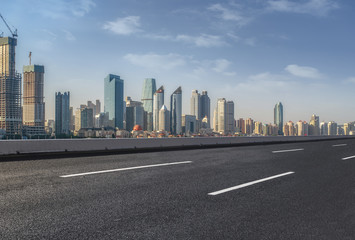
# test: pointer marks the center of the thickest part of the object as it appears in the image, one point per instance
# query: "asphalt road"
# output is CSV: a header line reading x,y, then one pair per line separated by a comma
x,y
256,192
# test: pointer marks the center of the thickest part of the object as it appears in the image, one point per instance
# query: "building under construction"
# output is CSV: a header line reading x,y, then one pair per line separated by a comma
x,y
10,89
33,100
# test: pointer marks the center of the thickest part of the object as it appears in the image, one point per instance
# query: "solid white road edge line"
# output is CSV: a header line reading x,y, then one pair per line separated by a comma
x,y
249,184
124,169
289,150
339,145
346,158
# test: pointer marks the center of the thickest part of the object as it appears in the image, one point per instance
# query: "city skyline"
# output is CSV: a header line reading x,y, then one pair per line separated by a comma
x,y
224,50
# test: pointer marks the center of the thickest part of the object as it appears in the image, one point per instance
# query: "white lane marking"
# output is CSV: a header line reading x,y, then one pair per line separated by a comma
x,y
249,183
124,169
346,158
289,150
339,145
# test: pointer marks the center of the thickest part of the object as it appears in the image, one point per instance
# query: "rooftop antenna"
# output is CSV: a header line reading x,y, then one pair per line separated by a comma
x,y
14,33
30,55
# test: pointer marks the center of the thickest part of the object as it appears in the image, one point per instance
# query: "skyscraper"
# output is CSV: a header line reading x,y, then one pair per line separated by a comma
x,y
10,89
230,117
314,129
332,128
164,119
62,116
249,126
114,104
279,117
189,124
87,119
195,104
33,99
323,129
134,114
149,88
158,102
302,128
221,114
98,107
176,111
205,107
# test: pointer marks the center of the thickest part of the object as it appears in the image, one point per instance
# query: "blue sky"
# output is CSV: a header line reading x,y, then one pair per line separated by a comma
x,y
254,52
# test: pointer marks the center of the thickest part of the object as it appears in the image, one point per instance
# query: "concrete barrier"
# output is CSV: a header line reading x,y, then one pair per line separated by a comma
x,y
16,147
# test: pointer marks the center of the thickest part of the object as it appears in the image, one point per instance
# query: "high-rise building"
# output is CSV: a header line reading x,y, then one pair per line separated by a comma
x,y
289,129
314,129
221,115
33,104
195,104
279,117
10,89
101,120
134,114
149,88
87,118
98,107
176,111
241,125
205,106
302,128
215,119
258,128
62,116
332,128
249,126
77,120
158,102
114,104
346,128
164,119
323,128
230,117
189,124
71,119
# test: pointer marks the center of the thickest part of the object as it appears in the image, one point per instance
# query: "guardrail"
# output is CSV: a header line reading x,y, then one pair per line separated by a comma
x,y
21,147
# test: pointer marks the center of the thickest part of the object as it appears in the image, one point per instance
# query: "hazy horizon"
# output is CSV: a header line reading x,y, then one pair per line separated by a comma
x,y
256,53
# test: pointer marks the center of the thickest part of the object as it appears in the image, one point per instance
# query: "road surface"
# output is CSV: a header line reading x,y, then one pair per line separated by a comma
x,y
285,191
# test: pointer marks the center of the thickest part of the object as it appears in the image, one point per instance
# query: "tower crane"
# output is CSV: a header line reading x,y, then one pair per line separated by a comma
x,y
14,33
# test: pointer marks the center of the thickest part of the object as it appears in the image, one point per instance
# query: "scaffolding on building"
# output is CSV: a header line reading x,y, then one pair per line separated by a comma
x,y
10,105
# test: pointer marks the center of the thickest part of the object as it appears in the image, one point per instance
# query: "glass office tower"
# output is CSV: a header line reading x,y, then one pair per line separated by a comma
x,y
149,88
279,117
114,104
176,111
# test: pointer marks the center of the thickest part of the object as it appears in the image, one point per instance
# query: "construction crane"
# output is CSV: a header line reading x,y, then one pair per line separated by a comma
x,y
14,33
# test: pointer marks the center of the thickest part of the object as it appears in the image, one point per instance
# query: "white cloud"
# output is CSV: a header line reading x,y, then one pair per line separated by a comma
x,y
63,9
228,14
221,66
250,41
350,80
83,7
313,7
204,40
69,36
266,83
303,71
124,26
156,62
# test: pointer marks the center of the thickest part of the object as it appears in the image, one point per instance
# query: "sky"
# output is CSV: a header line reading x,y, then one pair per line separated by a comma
x,y
253,52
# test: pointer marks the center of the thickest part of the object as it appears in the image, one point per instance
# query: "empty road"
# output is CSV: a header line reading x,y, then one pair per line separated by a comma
x,y
285,191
